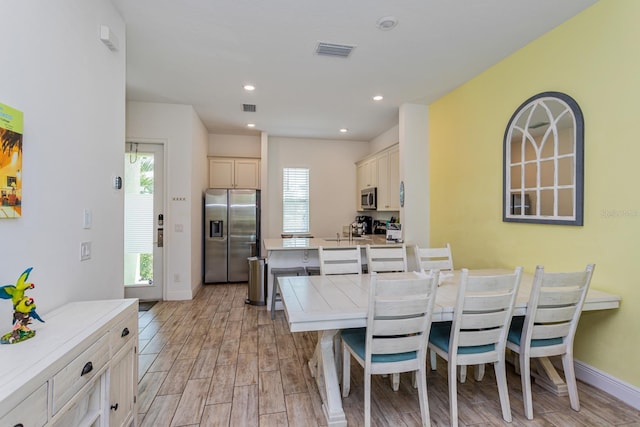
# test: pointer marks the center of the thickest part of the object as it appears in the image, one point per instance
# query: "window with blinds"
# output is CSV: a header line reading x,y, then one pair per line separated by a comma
x,y
295,200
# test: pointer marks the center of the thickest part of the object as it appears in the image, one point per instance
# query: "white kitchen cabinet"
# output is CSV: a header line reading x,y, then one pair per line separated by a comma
x,y
388,163
228,172
381,170
366,177
367,174
80,361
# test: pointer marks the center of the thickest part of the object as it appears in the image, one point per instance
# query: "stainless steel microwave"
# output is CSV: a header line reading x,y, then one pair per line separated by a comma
x,y
369,198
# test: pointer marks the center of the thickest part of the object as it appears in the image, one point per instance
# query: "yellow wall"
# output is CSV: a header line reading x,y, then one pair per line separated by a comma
x,y
593,58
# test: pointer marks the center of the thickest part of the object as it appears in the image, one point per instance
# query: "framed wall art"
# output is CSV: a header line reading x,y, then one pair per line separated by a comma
x,y
10,162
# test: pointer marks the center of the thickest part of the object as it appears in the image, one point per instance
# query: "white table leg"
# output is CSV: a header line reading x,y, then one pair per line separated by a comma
x,y
323,368
313,362
548,377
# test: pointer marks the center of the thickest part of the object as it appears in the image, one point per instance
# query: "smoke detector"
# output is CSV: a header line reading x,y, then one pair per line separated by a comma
x,y
387,23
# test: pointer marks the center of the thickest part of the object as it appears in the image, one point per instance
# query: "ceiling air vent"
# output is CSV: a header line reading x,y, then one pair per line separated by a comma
x,y
249,108
330,49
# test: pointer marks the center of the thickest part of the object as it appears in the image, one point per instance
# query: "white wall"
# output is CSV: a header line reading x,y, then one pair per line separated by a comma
x,y
384,140
199,182
332,175
186,143
71,89
234,145
414,171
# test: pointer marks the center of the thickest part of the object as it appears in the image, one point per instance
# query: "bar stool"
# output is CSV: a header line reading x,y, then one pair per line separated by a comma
x,y
279,272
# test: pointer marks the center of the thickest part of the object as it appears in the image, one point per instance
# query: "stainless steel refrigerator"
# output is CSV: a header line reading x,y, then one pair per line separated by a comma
x,y
231,234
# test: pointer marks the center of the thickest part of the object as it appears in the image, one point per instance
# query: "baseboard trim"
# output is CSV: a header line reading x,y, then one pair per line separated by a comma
x,y
179,295
626,392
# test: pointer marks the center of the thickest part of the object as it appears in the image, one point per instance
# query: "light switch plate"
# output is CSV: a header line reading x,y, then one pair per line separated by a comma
x,y
87,218
85,251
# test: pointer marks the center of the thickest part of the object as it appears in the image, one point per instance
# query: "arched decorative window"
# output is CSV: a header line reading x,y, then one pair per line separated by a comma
x,y
544,161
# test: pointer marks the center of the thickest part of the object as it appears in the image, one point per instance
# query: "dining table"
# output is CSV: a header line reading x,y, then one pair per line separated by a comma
x,y
329,303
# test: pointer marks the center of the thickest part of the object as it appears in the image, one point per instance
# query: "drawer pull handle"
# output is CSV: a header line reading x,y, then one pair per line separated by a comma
x,y
125,332
88,367
19,425
114,407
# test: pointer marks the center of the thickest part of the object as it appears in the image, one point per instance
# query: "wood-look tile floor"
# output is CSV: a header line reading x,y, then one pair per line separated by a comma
x,y
215,361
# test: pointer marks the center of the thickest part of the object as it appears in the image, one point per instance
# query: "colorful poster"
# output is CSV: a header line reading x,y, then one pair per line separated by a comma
x,y
10,162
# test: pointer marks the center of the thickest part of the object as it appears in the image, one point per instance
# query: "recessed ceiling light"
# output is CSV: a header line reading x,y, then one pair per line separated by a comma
x,y
251,125
378,98
344,130
387,23
249,87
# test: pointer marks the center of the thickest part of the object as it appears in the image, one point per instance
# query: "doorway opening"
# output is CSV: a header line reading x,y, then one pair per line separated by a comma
x,y
143,221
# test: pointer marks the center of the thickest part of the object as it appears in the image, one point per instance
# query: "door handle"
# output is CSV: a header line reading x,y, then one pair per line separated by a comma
x,y
160,237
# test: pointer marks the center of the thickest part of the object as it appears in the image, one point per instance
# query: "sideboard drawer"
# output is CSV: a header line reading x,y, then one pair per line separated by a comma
x,y
31,412
79,372
122,333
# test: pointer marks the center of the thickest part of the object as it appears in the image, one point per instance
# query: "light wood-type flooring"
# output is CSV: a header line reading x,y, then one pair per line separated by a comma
x,y
215,361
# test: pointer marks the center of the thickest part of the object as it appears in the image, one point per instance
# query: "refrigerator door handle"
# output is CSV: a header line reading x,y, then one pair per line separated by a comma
x,y
216,228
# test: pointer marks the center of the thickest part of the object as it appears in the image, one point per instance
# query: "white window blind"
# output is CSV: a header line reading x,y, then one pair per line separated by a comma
x,y
295,200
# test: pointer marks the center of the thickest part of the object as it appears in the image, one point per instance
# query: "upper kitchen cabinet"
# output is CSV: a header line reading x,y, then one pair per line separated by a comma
x,y
388,163
228,172
381,170
367,174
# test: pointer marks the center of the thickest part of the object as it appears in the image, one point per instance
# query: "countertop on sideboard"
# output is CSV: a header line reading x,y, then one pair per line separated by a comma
x,y
296,243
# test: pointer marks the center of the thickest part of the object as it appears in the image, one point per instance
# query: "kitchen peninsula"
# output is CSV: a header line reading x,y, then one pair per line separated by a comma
x,y
303,252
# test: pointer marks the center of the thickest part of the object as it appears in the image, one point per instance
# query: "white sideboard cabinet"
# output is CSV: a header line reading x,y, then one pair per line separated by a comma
x,y
81,368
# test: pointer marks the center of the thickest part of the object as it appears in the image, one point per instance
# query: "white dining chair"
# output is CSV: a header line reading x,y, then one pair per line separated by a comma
x,y
395,339
385,259
478,332
549,327
382,259
442,260
282,272
434,258
340,260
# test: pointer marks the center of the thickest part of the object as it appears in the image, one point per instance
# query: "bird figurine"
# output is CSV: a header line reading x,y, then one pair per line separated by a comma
x,y
23,312
16,293
24,309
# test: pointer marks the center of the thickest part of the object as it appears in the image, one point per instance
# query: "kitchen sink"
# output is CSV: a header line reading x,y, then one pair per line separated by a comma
x,y
344,239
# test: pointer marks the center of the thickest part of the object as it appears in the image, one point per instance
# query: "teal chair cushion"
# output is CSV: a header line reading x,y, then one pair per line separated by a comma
x,y
515,333
441,334
357,339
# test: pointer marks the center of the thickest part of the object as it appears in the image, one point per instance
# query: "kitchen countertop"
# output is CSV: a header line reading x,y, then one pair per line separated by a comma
x,y
313,243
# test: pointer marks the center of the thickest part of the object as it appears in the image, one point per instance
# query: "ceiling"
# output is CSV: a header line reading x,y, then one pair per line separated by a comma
x,y
202,52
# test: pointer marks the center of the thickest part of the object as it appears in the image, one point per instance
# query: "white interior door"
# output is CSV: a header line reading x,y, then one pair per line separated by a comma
x,y
143,221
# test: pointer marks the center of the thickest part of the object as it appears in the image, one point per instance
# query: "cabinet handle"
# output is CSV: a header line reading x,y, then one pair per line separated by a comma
x,y
88,367
125,332
114,407
19,425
